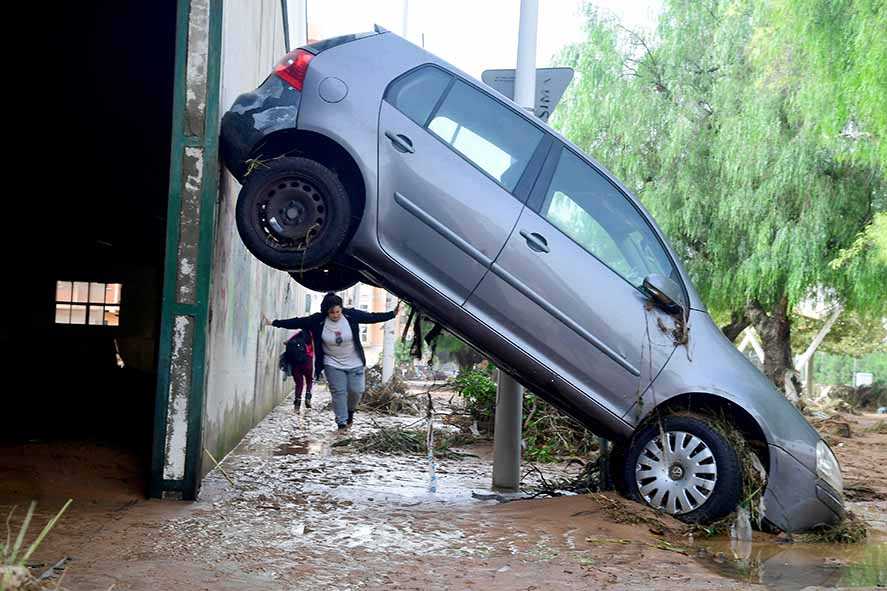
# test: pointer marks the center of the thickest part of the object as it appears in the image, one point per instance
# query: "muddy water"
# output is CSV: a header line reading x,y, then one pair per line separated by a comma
x,y
306,514
300,498
329,516
797,566
862,451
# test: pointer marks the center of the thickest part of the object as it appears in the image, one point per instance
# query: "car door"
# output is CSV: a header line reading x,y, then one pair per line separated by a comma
x,y
453,175
567,286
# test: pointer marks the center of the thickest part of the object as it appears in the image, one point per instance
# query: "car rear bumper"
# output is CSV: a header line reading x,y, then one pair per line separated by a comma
x,y
272,107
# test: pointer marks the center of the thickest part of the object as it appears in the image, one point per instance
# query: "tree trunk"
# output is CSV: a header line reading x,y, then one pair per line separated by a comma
x,y
774,330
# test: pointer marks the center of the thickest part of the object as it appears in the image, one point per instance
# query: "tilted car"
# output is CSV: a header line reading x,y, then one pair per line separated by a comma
x,y
364,157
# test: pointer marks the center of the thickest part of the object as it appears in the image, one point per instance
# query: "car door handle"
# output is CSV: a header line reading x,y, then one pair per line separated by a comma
x,y
535,241
401,142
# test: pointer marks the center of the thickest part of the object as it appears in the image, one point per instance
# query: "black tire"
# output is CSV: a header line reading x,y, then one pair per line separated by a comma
x,y
330,277
293,214
723,495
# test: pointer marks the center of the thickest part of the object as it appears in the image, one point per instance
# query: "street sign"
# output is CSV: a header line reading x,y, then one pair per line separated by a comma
x,y
550,86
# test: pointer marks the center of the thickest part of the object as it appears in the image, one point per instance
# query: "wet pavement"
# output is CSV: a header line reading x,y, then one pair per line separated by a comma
x,y
303,513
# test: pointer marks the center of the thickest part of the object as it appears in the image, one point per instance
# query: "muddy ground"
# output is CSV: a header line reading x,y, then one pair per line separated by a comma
x,y
303,514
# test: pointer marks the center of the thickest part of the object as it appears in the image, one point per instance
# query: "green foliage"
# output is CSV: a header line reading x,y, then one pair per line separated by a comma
x,y
13,553
402,352
550,435
447,343
464,355
758,204
838,369
827,57
477,388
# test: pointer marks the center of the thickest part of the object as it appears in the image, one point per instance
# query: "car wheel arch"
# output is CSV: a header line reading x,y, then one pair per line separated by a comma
x,y
326,151
706,403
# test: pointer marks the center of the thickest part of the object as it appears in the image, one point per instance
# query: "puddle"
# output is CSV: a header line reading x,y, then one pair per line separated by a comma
x,y
796,566
304,446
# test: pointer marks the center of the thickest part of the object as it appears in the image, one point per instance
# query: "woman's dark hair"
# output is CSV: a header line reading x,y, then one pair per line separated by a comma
x,y
328,302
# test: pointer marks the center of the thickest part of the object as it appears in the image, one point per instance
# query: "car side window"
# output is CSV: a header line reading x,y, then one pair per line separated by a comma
x,y
585,206
416,93
487,133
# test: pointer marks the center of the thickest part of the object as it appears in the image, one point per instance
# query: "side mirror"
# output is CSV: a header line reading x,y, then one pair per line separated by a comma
x,y
665,293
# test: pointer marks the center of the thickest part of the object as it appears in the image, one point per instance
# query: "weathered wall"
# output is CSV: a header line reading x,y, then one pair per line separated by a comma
x,y
243,382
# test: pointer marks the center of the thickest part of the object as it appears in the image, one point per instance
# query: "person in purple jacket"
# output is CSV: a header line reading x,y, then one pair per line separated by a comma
x,y
338,352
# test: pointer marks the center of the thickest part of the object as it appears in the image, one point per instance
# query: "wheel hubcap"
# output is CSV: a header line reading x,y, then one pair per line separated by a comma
x,y
676,472
676,477
292,212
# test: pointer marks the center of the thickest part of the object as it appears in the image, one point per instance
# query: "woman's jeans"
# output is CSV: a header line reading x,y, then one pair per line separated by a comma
x,y
346,389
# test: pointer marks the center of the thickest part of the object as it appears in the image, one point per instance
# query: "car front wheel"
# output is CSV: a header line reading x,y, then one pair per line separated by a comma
x,y
684,466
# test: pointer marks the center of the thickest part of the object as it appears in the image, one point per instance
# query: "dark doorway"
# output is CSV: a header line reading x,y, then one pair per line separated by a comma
x,y
82,342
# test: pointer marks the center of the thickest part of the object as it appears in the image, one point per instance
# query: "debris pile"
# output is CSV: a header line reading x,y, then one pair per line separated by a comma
x,y
852,530
399,440
865,398
392,398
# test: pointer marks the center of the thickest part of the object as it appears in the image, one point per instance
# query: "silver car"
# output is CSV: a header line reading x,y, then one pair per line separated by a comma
x,y
364,157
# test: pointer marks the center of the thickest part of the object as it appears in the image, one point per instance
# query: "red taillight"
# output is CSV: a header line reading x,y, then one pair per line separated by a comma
x,y
293,67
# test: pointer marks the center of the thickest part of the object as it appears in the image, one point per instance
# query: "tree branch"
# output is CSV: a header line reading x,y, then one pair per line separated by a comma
x,y
820,336
739,321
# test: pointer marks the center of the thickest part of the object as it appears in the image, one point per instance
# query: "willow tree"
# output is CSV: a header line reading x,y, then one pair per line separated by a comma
x,y
829,58
759,208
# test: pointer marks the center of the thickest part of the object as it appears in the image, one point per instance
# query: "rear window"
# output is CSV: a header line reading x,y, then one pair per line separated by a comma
x,y
416,93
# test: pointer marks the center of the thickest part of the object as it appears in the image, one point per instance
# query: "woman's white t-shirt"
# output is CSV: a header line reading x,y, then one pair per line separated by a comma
x,y
338,345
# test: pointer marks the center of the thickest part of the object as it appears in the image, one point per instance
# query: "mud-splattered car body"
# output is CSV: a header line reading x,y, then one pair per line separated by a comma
x,y
486,244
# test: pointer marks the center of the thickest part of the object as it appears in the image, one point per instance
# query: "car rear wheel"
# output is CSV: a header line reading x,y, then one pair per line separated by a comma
x,y
327,278
293,214
684,466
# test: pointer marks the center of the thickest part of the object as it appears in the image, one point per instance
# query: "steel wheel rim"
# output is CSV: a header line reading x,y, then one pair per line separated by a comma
x,y
292,213
678,481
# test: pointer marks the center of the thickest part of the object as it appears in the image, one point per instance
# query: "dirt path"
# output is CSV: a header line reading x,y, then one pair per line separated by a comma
x,y
305,515
860,442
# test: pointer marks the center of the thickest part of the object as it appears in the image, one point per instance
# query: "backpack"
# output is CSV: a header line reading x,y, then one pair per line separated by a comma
x,y
297,352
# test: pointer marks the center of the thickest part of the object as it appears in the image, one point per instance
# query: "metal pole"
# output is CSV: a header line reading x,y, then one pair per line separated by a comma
x,y
507,436
510,394
299,20
405,20
525,74
388,344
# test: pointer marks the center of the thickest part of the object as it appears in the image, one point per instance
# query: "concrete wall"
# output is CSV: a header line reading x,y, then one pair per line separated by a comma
x,y
243,382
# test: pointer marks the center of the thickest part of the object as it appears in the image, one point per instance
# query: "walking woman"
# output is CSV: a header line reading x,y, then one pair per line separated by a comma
x,y
338,351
